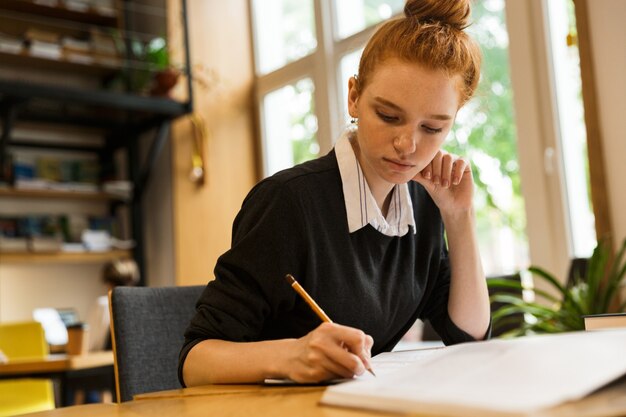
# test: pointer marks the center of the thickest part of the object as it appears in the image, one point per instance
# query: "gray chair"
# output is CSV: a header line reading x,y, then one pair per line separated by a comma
x,y
147,327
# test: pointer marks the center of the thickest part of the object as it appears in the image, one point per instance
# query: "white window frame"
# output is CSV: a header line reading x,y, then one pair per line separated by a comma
x,y
539,150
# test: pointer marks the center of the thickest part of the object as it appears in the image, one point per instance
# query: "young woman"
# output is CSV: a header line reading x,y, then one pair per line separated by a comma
x,y
361,229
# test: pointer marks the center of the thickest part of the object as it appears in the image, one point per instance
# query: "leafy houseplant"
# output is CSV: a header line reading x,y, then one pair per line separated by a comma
x,y
594,292
158,59
147,69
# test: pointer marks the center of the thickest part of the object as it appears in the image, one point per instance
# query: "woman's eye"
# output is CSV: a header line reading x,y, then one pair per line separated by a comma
x,y
432,129
386,118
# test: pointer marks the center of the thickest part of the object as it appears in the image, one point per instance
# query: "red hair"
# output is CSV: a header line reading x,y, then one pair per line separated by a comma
x,y
430,34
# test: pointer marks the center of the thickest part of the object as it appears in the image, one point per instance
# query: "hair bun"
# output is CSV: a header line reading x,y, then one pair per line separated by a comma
x,y
455,13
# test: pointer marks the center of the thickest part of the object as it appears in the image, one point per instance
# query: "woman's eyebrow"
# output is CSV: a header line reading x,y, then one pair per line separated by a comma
x,y
388,103
394,106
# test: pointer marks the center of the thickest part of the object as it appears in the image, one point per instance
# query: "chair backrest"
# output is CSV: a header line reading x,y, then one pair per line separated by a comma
x,y
25,395
147,328
23,340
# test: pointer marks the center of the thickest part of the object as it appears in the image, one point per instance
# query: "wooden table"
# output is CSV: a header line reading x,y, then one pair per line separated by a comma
x,y
215,402
289,401
90,371
57,362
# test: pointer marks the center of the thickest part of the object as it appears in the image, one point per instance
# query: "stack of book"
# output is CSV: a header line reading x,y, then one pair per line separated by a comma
x,y
12,238
77,50
54,233
44,233
43,43
51,173
81,6
103,7
11,44
605,321
104,48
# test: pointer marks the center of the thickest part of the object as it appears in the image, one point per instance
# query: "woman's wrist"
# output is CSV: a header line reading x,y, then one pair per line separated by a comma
x,y
280,354
459,217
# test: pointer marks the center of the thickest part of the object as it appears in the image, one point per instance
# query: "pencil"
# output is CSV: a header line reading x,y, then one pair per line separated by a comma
x,y
314,306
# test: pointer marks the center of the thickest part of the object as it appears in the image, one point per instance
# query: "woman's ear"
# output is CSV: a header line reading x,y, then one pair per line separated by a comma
x,y
353,97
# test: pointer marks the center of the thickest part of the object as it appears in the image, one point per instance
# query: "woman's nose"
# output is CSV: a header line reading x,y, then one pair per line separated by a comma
x,y
405,143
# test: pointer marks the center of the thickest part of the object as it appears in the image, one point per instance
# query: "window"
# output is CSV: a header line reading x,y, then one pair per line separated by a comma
x,y
355,15
290,133
306,51
284,31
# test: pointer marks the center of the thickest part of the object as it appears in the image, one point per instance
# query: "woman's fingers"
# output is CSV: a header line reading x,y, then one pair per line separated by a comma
x,y
436,168
332,351
355,347
445,169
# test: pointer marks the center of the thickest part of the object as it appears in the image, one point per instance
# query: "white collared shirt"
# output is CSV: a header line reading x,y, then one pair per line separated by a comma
x,y
360,203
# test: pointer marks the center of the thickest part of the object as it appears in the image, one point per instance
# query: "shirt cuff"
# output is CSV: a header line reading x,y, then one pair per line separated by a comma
x,y
453,334
181,359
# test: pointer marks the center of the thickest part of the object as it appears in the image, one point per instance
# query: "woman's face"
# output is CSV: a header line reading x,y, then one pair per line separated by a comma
x,y
404,114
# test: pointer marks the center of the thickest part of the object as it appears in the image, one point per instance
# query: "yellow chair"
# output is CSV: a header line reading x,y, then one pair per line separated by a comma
x,y
21,396
18,342
23,340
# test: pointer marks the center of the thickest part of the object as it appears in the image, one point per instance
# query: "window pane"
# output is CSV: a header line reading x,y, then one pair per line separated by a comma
x,y
485,133
356,15
573,140
348,66
290,126
284,31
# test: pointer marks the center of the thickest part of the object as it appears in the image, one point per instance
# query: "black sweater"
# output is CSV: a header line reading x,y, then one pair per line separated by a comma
x,y
295,222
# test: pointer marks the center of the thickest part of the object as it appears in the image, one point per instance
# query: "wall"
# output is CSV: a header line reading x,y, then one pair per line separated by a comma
x,y
608,37
203,215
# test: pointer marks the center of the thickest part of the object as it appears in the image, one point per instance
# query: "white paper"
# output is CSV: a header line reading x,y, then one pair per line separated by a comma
x,y
505,377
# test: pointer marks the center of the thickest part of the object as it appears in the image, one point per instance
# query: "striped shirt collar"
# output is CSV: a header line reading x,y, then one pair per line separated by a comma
x,y
361,206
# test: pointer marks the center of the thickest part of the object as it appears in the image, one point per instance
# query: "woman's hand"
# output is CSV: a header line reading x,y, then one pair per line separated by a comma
x,y
330,351
448,180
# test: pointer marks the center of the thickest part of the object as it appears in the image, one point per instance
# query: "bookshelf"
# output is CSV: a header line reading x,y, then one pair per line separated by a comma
x,y
75,63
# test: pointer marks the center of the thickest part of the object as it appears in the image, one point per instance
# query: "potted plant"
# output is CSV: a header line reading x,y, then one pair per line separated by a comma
x,y
596,291
165,77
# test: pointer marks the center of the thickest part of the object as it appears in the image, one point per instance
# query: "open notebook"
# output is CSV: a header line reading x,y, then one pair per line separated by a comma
x,y
529,376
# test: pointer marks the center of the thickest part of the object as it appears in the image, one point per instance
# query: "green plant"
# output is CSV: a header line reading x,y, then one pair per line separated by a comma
x,y
157,55
595,292
144,60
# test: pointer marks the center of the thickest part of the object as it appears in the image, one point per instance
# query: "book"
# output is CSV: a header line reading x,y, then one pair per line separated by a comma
x,y
13,244
528,376
45,50
10,44
605,321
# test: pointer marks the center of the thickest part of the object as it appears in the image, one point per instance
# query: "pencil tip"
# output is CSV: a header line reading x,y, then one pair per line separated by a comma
x,y
290,279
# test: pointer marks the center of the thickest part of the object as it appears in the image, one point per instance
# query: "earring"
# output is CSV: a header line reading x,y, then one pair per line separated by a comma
x,y
354,121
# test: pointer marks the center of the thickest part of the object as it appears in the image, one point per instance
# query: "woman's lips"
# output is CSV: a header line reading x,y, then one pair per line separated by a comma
x,y
399,165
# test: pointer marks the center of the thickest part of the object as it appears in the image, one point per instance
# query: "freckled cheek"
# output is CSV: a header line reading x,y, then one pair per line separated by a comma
x,y
425,154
